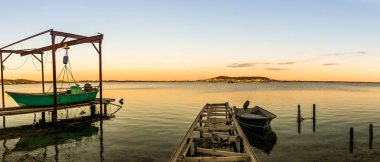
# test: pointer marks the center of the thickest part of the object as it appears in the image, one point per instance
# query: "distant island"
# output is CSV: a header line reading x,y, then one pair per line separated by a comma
x,y
219,79
238,79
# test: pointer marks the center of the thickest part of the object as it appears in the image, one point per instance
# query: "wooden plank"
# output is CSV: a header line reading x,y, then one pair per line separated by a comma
x,y
178,152
187,147
210,120
217,159
219,152
215,124
215,114
218,128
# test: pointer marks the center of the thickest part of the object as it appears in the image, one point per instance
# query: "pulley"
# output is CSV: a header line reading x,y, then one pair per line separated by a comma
x,y
66,57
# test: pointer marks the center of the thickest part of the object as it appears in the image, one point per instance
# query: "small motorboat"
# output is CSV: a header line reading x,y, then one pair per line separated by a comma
x,y
73,95
255,117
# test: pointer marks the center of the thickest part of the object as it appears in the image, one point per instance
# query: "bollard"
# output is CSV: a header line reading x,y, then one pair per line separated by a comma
x,y
351,140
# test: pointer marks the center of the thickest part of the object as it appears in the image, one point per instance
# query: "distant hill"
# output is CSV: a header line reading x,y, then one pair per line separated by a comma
x,y
19,81
239,79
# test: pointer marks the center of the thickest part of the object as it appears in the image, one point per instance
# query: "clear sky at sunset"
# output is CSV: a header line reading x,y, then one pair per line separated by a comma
x,y
337,40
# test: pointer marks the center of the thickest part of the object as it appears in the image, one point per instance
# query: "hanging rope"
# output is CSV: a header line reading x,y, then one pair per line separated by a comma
x,y
35,65
19,66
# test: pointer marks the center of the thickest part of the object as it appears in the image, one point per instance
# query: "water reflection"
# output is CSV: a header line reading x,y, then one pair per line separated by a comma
x,y
35,138
262,139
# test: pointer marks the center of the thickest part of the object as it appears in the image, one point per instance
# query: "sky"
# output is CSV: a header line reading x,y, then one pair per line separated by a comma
x,y
325,40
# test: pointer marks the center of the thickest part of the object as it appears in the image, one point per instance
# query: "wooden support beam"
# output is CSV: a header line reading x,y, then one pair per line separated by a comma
x,y
215,114
187,147
218,128
219,152
217,159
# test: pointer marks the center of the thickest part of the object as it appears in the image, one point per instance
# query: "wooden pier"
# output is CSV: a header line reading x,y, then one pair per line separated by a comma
x,y
215,135
26,110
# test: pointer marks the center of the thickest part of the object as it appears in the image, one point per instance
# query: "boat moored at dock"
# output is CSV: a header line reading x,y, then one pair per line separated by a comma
x,y
255,117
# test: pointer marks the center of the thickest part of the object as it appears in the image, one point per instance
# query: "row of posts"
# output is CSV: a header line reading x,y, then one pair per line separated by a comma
x,y
300,118
370,143
92,112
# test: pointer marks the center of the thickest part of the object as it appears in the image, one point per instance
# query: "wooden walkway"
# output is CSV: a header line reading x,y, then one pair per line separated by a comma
x,y
214,136
26,110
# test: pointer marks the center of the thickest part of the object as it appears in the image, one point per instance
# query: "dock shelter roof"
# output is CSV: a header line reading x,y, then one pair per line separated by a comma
x,y
78,39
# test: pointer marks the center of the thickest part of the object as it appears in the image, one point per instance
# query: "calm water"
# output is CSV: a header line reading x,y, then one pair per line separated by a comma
x,y
156,116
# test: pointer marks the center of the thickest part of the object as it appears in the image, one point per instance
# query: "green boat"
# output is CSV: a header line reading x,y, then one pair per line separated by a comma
x,y
73,95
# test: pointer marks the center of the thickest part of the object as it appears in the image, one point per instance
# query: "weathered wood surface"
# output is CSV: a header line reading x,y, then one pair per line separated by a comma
x,y
220,138
26,110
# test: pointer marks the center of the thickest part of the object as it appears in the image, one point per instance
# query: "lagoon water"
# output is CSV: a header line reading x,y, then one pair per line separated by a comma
x,y
156,116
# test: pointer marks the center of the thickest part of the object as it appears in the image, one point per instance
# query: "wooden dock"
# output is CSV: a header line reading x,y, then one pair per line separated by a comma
x,y
214,136
26,110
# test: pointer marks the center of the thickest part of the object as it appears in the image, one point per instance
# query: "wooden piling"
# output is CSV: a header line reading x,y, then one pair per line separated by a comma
x,y
314,117
370,136
351,140
299,117
241,146
43,119
92,109
105,109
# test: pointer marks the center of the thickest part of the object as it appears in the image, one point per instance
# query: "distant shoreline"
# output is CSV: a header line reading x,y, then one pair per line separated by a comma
x,y
219,79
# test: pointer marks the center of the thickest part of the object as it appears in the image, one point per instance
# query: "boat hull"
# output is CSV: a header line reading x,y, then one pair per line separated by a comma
x,y
253,123
44,100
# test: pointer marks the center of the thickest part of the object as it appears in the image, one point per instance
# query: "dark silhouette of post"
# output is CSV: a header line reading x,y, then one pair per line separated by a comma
x,y
2,85
370,136
314,117
54,115
351,140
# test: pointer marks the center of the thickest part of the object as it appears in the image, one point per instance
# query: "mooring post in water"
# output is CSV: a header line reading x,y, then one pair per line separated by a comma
x,y
43,119
105,109
92,109
351,140
299,118
370,136
314,117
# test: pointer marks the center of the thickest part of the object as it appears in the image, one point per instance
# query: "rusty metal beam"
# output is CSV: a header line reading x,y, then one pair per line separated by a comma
x,y
26,38
43,73
6,57
2,80
63,34
53,47
36,57
69,43
18,51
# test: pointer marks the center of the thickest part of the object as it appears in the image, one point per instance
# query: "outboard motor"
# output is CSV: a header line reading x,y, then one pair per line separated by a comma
x,y
88,87
246,104
121,101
